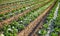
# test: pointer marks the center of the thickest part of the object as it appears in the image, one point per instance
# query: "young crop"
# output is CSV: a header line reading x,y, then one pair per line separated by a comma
x,y
54,34
42,32
21,23
48,25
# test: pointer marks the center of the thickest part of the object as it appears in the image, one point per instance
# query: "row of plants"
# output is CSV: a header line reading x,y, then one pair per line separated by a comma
x,y
19,5
24,4
56,25
18,25
46,28
15,2
14,12
9,14
14,6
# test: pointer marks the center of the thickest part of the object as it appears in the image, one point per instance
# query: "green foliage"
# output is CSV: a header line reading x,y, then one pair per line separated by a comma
x,y
54,34
42,32
45,26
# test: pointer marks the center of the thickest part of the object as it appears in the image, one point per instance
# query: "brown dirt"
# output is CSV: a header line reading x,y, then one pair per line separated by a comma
x,y
14,4
16,17
30,27
39,27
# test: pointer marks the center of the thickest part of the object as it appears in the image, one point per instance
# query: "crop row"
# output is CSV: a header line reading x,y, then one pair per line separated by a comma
x,y
31,27
22,22
42,27
56,25
33,24
18,5
10,14
51,25
24,12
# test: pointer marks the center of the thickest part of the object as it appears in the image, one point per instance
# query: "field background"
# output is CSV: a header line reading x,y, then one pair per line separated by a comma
x,y
8,1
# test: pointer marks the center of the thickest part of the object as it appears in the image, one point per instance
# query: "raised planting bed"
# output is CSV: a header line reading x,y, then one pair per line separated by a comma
x,y
14,12
16,26
22,14
10,1
18,5
42,28
38,26
14,6
47,27
30,27
10,4
56,24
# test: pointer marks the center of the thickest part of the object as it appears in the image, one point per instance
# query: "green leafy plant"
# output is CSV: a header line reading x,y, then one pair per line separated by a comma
x,y
21,27
56,29
42,32
54,34
1,15
45,26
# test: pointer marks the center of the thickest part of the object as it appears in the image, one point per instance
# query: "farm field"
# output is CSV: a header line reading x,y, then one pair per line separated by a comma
x,y
30,18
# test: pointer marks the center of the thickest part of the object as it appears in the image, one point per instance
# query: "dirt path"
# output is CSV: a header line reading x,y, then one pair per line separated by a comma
x,y
33,24
22,14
